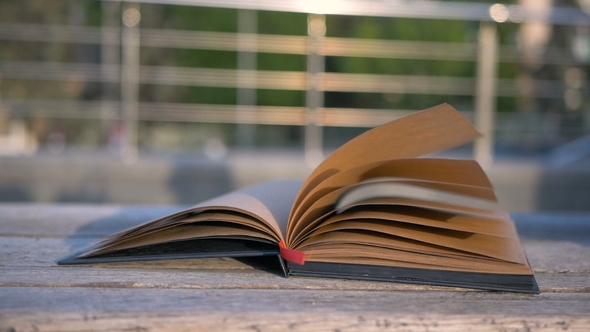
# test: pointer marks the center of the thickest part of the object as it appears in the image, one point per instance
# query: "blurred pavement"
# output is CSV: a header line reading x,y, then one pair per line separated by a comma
x,y
524,184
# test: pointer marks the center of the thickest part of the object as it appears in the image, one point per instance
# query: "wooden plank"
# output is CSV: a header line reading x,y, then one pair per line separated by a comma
x,y
293,310
549,255
543,255
553,241
241,294
82,220
560,266
31,299
116,277
43,252
289,321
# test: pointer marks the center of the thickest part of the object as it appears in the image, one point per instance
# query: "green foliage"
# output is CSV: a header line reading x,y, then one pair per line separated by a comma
x,y
204,58
188,18
209,95
401,29
280,97
278,23
286,62
396,28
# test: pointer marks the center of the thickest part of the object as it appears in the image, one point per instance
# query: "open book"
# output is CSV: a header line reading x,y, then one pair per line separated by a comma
x,y
371,210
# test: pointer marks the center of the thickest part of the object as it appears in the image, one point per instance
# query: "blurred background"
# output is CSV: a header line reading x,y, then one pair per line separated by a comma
x,y
177,101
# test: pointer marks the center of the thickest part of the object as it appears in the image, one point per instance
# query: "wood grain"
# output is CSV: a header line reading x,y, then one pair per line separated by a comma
x,y
301,310
559,266
175,278
212,294
80,220
543,255
289,321
32,299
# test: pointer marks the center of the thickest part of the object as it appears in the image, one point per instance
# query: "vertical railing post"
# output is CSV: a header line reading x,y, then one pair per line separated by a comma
x,y
130,80
485,103
316,27
246,95
109,56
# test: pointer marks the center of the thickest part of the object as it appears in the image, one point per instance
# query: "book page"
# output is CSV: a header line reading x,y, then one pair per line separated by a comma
x,y
182,228
339,250
184,232
267,204
436,129
327,204
502,248
423,217
428,205
467,172
270,202
440,192
396,246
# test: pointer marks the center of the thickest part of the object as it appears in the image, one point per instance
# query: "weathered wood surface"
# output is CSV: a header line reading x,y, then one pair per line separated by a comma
x,y
36,294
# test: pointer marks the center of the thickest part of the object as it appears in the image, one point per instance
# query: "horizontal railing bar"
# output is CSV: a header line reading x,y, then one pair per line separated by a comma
x,y
179,112
551,56
224,78
223,41
298,45
61,109
280,44
176,112
60,33
170,112
355,117
266,115
399,84
444,10
173,112
398,49
57,71
273,80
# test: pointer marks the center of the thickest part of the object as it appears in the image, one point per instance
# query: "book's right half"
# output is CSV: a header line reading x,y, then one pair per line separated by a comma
x,y
419,220
414,230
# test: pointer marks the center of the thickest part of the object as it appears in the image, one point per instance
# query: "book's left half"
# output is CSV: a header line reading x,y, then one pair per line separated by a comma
x,y
244,223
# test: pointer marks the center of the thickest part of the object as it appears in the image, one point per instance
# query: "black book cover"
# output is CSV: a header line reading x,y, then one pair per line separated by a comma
x,y
486,281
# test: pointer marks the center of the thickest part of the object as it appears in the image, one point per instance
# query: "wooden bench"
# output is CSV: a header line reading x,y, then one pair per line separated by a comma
x,y
36,294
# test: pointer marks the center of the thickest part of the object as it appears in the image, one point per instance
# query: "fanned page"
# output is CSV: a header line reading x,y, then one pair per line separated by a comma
x,y
436,129
373,203
257,213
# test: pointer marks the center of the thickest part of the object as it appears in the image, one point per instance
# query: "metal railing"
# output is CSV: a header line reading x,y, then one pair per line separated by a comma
x,y
126,70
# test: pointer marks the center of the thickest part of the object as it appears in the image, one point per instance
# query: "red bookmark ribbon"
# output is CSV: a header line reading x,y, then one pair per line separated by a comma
x,y
293,256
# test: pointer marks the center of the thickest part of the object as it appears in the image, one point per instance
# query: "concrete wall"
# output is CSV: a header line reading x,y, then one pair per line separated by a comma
x,y
525,185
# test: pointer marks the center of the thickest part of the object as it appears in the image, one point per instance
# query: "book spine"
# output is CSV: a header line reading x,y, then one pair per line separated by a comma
x,y
283,265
